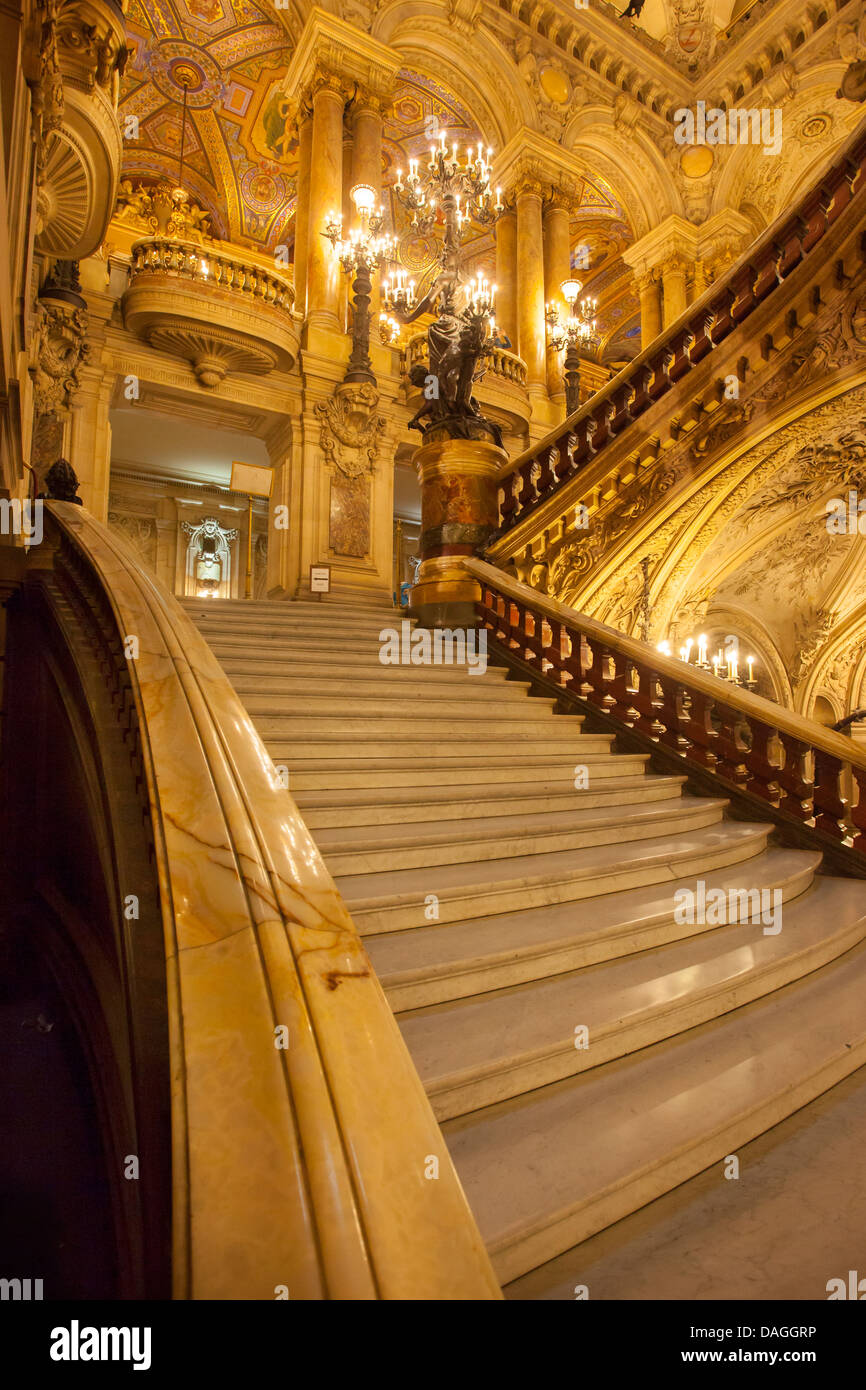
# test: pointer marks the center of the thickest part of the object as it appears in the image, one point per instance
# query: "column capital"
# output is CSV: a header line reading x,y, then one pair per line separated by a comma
x,y
331,50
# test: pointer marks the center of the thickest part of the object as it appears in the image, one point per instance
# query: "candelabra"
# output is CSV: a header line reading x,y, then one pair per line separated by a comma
x,y
456,191
726,670
389,330
573,333
360,253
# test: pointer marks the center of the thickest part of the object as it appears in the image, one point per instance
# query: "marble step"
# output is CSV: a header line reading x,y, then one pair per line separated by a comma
x,y
352,707
369,686
390,738
434,964
313,608
324,809
544,1171
354,649
373,777
318,675
480,1051
272,617
393,901
428,845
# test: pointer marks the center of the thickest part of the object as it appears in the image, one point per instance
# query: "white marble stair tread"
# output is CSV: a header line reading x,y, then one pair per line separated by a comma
x,y
355,705
317,676
320,812
434,963
394,900
369,686
300,747
411,776
544,1171
480,1051
353,849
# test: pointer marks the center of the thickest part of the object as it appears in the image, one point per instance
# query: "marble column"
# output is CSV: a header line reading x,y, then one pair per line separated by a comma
x,y
531,329
557,267
302,210
650,307
326,198
367,166
506,275
673,289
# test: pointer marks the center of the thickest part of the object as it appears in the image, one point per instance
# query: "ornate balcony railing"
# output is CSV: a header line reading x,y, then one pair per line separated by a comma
x,y
211,268
758,278
501,362
804,775
221,313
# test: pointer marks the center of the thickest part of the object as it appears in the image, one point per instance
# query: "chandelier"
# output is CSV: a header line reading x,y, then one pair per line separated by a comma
x,y
455,189
723,669
575,333
361,251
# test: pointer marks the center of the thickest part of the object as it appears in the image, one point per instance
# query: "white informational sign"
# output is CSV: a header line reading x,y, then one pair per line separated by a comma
x,y
320,579
251,479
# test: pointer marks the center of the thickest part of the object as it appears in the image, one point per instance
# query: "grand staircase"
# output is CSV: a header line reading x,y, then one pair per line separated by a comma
x,y
513,878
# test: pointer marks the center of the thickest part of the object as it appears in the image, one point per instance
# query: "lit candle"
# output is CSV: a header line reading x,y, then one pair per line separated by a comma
x,y
689,645
715,665
750,660
733,671
399,184
684,653
702,649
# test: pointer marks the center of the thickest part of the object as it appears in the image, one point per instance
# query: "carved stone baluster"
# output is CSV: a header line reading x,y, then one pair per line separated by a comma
x,y
732,747
672,714
762,766
647,701
858,809
701,731
831,804
796,778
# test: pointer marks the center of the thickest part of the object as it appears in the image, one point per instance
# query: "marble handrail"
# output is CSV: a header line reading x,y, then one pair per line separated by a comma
x,y
756,745
304,1167
757,278
208,266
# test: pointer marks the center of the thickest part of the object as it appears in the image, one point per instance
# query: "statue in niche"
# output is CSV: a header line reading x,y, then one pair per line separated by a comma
x,y
208,558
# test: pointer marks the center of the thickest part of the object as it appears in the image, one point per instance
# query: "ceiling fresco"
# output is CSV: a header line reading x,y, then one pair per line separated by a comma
x,y
240,152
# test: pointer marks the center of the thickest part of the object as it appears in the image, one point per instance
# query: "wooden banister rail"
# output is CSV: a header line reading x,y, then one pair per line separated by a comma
x,y
786,761
761,272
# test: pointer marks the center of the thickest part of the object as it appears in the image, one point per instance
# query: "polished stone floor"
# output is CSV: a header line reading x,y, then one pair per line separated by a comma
x,y
794,1219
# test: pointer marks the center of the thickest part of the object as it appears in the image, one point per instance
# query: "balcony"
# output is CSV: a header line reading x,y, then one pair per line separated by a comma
x,y
223,313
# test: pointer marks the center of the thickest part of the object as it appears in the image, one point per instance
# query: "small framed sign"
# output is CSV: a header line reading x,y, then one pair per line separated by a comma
x,y
251,479
320,579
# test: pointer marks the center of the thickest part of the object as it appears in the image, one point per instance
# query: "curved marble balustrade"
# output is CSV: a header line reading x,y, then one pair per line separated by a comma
x,y
219,312
801,771
500,362
703,345
305,1165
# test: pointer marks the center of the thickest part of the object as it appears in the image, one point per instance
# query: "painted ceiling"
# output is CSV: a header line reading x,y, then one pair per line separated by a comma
x,y
240,154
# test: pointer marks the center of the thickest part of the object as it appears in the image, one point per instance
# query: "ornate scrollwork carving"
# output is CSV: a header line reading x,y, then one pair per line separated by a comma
x,y
351,428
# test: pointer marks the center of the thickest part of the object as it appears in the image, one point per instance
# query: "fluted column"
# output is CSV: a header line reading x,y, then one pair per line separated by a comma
x,y
302,210
650,307
674,289
557,266
506,276
531,333
326,199
367,164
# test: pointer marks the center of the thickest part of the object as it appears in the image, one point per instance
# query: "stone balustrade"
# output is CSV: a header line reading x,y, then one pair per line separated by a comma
x,y
210,268
805,776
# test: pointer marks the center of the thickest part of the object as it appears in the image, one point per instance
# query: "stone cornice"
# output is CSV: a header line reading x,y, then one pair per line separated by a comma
x,y
531,161
677,238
